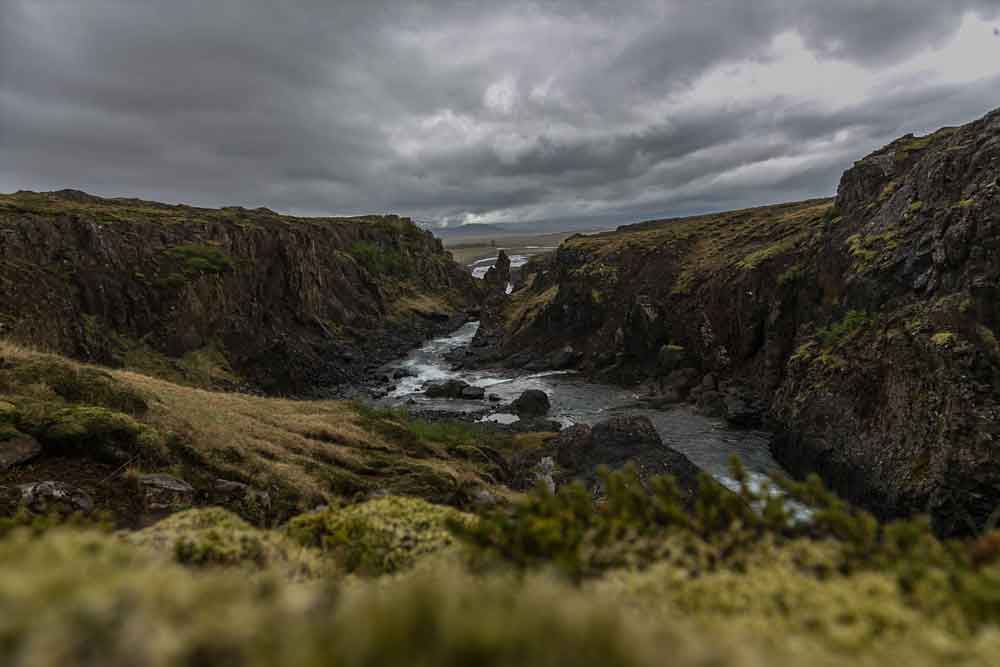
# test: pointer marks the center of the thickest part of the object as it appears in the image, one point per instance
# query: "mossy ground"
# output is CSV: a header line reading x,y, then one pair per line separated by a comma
x,y
96,423
725,586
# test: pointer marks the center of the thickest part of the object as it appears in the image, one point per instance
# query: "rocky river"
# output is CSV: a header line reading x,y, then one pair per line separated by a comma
x,y
708,443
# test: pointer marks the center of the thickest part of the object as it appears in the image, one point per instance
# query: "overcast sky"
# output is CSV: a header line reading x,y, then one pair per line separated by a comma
x,y
479,111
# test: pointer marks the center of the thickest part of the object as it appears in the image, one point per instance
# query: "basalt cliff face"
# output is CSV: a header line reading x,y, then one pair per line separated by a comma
x,y
232,297
864,327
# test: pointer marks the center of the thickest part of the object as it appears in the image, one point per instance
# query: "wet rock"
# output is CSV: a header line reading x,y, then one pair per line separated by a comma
x,y
519,360
621,441
531,403
401,373
165,493
17,449
51,496
473,393
744,411
671,358
710,382
494,398
446,389
681,379
711,404
563,359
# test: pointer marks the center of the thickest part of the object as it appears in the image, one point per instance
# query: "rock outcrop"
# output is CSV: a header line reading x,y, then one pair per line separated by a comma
x,y
230,298
864,328
578,453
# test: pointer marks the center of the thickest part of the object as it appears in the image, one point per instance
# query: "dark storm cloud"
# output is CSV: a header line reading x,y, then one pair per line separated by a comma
x,y
477,111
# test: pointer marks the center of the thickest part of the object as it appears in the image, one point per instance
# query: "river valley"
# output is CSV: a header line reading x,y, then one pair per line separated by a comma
x,y
708,443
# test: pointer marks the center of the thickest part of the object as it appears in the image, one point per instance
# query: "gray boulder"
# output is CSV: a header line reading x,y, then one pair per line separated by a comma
x,y
531,403
50,496
165,493
473,393
446,389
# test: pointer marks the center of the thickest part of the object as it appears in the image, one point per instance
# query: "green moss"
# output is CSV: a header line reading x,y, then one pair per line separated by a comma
x,y
198,259
791,275
916,207
72,383
379,536
989,339
944,339
215,537
868,249
758,257
377,259
840,332
91,431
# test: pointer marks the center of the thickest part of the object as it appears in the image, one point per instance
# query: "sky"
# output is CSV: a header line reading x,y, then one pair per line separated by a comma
x,y
457,112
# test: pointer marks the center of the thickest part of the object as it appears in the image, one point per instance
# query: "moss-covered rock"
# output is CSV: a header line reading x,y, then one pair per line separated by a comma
x,y
379,536
215,537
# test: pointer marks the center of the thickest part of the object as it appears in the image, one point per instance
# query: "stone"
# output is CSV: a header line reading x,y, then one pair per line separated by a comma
x,y
18,449
165,493
494,398
446,389
712,404
571,445
563,359
241,497
709,382
531,403
682,379
620,441
51,496
473,393
671,357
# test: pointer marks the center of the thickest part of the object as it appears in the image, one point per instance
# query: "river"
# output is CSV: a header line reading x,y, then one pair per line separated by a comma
x,y
709,443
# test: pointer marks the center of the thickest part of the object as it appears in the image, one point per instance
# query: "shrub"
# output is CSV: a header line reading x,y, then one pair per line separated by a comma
x,y
196,259
379,536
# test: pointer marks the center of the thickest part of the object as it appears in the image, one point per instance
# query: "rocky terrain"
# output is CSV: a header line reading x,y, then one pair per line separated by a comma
x,y
232,298
861,328
151,514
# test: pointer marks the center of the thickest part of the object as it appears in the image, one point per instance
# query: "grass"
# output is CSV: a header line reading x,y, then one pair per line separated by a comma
x,y
720,584
303,453
197,259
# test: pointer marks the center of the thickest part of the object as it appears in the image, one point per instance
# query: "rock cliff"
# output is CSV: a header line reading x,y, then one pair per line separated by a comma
x,y
231,297
865,324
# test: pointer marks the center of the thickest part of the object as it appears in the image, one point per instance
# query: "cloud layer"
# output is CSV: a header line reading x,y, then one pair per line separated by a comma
x,y
478,112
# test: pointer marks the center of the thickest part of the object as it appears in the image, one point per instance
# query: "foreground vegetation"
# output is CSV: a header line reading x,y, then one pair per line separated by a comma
x,y
744,579
375,548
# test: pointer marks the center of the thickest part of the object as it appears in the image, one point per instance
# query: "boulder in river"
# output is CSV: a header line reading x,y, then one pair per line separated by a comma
x,y
446,389
563,358
473,393
621,441
531,403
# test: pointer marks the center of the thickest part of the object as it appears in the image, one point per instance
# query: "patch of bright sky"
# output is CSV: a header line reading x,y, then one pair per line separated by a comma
x,y
790,70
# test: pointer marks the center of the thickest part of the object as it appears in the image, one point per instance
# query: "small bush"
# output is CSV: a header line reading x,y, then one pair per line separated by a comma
x,y
379,260
379,536
196,259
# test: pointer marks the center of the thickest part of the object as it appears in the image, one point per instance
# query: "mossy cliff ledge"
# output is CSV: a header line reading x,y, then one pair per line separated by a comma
x,y
864,329
226,298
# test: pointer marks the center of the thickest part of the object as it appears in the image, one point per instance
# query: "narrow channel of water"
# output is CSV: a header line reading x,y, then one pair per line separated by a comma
x,y
709,443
